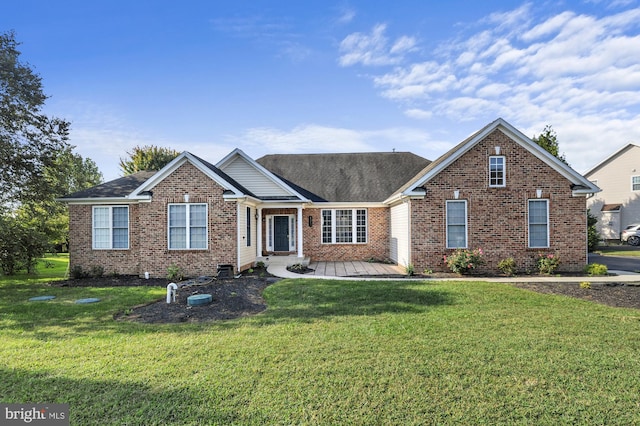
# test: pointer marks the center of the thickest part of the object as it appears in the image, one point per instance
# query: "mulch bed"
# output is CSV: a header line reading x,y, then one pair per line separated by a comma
x,y
239,297
620,295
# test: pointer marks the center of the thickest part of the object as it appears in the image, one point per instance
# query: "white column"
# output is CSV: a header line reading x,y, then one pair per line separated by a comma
x,y
259,233
300,251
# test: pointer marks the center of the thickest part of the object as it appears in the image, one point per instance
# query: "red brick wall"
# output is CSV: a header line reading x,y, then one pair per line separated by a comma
x,y
377,246
148,242
497,217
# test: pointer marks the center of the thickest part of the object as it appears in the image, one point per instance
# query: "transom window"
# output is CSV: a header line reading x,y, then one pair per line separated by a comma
x,y
497,171
344,226
539,223
456,224
635,183
111,227
187,226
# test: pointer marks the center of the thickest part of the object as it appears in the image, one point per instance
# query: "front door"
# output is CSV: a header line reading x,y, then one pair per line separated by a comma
x,y
281,233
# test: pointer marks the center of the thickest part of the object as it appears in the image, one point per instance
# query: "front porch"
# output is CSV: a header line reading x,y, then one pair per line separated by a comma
x,y
354,268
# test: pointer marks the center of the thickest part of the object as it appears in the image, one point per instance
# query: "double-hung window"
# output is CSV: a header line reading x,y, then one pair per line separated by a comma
x,y
538,223
342,226
456,224
187,226
497,171
111,227
635,183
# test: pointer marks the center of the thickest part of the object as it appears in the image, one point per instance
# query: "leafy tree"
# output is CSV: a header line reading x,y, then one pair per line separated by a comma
x,y
148,157
593,237
32,148
548,140
30,141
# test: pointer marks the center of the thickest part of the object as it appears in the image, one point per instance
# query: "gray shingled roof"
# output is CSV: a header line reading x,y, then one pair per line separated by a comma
x,y
356,177
117,188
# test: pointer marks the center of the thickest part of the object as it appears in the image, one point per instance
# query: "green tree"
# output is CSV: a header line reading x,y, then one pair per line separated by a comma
x,y
548,140
31,144
30,141
148,157
593,237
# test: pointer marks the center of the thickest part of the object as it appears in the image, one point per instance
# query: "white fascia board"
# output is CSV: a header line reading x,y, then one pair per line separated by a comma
x,y
238,152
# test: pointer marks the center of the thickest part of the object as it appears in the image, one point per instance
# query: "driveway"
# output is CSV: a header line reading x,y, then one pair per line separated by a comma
x,y
616,263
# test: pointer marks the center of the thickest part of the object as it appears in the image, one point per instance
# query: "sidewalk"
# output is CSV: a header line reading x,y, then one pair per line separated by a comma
x,y
280,270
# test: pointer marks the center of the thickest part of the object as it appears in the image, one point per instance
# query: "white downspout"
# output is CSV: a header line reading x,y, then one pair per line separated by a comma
x,y
300,250
259,234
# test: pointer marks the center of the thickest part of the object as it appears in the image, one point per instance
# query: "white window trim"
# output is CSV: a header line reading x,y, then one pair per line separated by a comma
x,y
188,226
271,231
635,176
354,226
529,223
466,224
93,228
504,171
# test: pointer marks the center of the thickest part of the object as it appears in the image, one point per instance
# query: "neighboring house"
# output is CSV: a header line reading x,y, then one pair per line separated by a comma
x,y
618,205
496,190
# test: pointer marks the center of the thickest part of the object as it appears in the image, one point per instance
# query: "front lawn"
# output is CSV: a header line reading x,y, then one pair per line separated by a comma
x,y
328,352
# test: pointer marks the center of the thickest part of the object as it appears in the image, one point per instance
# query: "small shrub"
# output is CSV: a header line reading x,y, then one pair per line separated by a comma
x,y
97,271
596,269
507,266
77,273
297,267
427,271
585,285
174,273
463,261
409,269
260,265
547,263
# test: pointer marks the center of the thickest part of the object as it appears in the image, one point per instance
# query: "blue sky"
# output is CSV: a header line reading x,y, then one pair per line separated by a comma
x,y
332,76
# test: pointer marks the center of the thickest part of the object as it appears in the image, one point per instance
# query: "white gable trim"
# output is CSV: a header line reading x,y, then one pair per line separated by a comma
x,y
518,137
177,163
266,173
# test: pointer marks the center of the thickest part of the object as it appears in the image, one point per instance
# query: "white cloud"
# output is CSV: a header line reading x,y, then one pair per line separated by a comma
x,y
314,138
374,49
562,69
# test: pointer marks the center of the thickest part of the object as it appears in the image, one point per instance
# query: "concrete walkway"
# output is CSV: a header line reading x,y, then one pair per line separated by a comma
x,y
368,271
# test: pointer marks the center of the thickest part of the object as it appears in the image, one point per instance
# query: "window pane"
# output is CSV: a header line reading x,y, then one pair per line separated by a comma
x,y
120,217
344,230
198,215
198,238
635,183
538,225
361,226
496,171
178,215
178,238
456,224
121,238
101,217
326,226
101,238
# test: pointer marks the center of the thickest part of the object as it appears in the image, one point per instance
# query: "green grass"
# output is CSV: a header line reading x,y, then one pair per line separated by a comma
x,y
328,352
51,267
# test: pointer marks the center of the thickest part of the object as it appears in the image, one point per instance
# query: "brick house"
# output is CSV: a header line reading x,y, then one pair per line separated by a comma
x,y
496,190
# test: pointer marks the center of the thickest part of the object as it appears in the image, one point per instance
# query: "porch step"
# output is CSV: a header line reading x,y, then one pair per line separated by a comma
x,y
283,260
